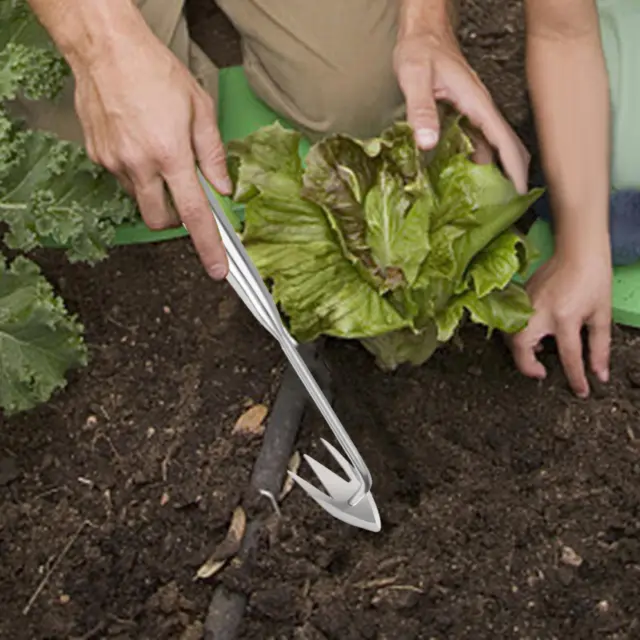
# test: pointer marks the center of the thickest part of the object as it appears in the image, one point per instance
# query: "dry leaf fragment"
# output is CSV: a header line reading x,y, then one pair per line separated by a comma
x,y
252,420
293,466
227,548
210,568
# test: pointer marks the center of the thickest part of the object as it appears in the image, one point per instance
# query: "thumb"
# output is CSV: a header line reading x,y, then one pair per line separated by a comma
x,y
416,82
209,149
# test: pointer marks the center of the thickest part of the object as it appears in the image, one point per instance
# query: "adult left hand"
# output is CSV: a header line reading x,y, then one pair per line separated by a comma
x,y
569,293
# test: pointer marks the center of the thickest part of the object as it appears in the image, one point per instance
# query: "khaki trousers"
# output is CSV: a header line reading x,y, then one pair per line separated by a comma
x,y
326,65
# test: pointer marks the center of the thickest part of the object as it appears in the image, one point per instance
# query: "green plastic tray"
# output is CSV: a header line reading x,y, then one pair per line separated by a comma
x,y
626,280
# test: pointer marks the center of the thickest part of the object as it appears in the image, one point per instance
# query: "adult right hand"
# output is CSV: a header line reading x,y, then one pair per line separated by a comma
x,y
147,120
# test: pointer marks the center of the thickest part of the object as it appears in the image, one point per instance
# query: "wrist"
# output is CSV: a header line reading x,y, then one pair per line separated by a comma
x,y
94,29
427,18
583,240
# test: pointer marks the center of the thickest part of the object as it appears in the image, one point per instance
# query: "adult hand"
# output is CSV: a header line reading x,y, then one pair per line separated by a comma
x,y
568,293
430,67
147,120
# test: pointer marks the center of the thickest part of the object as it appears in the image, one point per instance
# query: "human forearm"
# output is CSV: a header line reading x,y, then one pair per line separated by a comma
x,y
87,30
418,16
569,92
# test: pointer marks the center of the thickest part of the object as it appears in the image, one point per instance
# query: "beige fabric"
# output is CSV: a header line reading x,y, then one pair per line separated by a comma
x,y
326,65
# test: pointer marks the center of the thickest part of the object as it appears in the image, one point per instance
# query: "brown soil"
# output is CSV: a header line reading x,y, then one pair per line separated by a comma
x,y
510,509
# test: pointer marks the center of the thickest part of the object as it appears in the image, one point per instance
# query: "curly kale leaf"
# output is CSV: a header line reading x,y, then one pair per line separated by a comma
x,y
51,191
30,64
40,341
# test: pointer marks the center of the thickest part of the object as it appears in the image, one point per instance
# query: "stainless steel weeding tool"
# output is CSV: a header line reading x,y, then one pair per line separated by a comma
x,y
350,501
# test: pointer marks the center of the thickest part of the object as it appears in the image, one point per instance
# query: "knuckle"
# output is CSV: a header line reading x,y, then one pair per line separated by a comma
x,y
131,157
166,154
426,109
217,156
526,157
564,315
190,213
109,162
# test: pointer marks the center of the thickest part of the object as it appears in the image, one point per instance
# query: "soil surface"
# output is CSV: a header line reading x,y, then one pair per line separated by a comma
x,y
510,509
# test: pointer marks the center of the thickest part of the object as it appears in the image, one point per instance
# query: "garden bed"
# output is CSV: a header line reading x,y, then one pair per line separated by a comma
x,y
510,509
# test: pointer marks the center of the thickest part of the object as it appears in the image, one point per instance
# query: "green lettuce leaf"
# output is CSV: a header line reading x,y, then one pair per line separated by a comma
x,y
397,229
339,173
266,162
497,264
507,310
294,247
403,347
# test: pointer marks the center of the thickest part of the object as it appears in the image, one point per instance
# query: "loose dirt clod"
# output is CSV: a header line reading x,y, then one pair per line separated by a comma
x,y
308,632
9,470
569,557
193,632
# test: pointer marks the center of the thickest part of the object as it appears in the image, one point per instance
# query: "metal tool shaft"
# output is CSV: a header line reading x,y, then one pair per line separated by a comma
x,y
248,284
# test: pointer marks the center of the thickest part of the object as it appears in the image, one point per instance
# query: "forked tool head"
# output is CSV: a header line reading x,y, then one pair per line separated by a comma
x,y
364,514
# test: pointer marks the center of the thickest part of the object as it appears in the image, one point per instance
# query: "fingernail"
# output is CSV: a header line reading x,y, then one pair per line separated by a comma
x,y
225,185
217,271
604,375
426,138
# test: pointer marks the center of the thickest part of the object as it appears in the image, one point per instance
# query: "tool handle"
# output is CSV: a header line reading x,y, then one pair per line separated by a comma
x,y
248,283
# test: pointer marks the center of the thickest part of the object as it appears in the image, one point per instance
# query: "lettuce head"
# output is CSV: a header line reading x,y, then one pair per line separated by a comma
x,y
377,241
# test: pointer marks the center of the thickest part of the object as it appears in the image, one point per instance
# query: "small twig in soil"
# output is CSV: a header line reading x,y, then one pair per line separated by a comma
x,y
227,607
92,633
164,467
103,436
50,492
53,567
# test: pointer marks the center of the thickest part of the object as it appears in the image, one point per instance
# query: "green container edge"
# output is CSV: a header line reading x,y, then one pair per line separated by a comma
x,y
625,295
